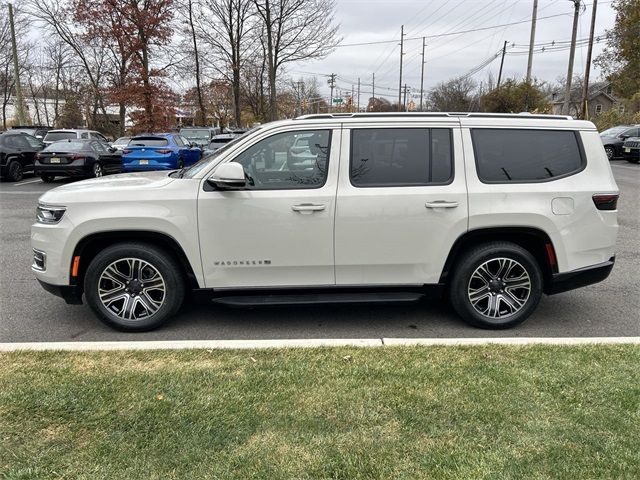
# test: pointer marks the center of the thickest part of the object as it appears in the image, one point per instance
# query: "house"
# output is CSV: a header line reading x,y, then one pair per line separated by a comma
x,y
600,98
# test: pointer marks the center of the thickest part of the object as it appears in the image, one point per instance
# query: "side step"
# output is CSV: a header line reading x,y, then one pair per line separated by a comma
x,y
317,298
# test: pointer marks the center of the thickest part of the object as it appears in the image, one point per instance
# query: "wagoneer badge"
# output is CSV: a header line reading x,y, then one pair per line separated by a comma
x,y
241,263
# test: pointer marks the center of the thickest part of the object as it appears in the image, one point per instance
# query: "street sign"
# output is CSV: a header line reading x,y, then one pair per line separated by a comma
x,y
337,100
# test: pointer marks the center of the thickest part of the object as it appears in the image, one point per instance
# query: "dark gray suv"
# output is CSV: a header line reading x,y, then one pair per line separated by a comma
x,y
614,137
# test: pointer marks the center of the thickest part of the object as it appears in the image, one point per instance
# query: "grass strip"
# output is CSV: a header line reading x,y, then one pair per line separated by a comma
x,y
394,412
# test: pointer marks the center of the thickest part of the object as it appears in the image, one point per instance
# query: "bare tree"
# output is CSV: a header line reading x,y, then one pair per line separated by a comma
x,y
57,17
225,26
295,30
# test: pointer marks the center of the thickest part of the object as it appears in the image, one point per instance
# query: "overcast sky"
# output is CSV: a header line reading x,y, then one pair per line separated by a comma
x,y
452,55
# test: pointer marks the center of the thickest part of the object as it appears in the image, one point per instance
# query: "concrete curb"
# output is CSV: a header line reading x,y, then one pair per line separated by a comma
x,y
309,343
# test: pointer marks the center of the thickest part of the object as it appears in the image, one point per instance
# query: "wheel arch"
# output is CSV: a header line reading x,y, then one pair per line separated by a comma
x,y
534,240
88,247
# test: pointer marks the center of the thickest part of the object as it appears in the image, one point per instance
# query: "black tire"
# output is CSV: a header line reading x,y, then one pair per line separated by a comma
x,y
170,274
610,151
15,171
47,178
96,170
466,278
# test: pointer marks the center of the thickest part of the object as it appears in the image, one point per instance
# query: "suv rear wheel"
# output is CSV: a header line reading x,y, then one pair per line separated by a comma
x,y
496,285
134,286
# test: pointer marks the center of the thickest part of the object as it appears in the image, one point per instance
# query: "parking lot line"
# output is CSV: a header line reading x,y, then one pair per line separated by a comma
x,y
309,343
36,180
625,167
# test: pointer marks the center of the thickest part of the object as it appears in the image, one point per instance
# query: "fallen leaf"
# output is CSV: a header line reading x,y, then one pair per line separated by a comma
x,y
159,397
253,360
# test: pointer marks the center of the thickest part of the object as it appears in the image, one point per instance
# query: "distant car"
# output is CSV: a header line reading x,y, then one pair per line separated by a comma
x,y
163,151
76,158
121,143
38,131
220,141
200,136
631,150
17,154
74,134
613,138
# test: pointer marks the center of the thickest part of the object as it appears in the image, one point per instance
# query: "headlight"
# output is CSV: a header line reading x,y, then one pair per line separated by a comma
x,y
49,213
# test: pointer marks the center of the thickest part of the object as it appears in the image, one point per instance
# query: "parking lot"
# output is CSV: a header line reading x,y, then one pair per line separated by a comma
x,y
28,313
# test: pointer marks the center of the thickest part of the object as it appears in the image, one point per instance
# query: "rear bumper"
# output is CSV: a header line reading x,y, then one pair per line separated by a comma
x,y
72,294
149,168
563,282
63,170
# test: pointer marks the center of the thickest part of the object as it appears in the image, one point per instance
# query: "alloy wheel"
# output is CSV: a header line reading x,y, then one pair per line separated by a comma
x,y
499,288
131,289
97,170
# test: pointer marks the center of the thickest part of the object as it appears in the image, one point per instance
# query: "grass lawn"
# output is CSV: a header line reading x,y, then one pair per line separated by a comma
x,y
389,413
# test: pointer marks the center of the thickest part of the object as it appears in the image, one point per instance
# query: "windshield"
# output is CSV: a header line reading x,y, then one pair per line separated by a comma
x,y
190,133
66,147
148,142
53,136
613,132
212,158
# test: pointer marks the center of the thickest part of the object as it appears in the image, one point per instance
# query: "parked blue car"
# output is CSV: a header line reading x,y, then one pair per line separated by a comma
x,y
162,151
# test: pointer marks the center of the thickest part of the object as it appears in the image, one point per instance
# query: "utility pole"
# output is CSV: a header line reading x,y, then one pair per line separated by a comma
x,y
532,39
585,87
332,84
504,51
400,82
373,85
358,94
351,109
422,75
404,102
16,71
572,54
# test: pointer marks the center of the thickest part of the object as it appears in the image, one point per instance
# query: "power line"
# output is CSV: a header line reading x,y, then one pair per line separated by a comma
x,y
451,33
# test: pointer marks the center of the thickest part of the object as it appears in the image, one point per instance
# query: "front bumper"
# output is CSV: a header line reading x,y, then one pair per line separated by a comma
x,y
633,155
563,282
72,294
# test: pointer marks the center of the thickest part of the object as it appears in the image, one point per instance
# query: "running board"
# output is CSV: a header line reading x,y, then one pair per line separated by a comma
x,y
319,298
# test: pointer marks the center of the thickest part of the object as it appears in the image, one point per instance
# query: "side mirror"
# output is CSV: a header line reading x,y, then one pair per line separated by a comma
x,y
113,149
228,176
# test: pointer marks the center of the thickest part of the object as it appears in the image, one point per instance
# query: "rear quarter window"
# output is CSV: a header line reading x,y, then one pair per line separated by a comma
x,y
526,155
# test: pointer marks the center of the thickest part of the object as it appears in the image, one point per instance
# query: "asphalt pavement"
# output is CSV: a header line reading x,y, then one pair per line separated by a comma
x,y
29,314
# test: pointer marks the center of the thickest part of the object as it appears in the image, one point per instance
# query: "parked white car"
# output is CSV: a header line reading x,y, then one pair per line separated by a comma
x,y
493,210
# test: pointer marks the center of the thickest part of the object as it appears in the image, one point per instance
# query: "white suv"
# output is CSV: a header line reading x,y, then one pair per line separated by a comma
x,y
490,210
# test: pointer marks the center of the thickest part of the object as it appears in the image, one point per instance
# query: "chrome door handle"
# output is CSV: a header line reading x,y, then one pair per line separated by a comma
x,y
441,204
308,207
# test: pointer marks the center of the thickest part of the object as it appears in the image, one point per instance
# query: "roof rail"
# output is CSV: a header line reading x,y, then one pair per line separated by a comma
x,y
319,116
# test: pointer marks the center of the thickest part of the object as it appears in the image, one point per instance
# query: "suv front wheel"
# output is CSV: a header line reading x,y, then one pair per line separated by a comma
x,y
496,285
134,287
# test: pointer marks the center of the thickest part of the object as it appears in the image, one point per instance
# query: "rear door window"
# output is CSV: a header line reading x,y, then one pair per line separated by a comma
x,y
390,157
526,155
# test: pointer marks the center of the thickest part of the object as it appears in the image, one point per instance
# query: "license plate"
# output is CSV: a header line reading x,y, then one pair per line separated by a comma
x,y
54,160
627,149
144,162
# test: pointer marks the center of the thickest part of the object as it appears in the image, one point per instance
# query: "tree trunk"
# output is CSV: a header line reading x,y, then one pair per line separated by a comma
x,y
203,111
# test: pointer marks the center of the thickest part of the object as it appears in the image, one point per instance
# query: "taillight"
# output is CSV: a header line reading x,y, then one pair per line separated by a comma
x,y
163,151
78,157
606,202
126,150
